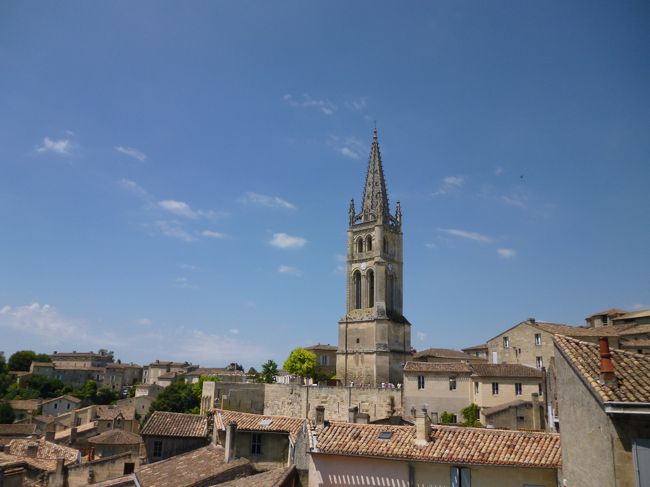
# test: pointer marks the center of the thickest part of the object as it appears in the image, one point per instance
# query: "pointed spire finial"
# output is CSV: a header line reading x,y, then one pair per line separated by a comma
x,y
375,197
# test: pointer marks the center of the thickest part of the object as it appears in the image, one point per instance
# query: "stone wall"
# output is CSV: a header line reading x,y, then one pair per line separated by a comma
x,y
99,470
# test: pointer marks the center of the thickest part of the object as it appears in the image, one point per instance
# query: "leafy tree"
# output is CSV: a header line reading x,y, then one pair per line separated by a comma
x,y
234,366
471,414
178,397
7,415
132,391
46,387
253,374
446,418
269,371
3,363
198,387
109,354
21,360
42,357
301,362
5,381
105,396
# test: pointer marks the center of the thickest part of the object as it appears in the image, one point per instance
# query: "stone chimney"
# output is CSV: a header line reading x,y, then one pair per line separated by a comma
x,y
363,418
231,437
32,450
422,428
352,414
607,376
536,412
49,434
434,418
320,415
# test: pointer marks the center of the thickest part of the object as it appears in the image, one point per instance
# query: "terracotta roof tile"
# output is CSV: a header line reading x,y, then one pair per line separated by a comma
x,y
197,467
115,437
66,397
449,444
270,478
46,450
504,406
25,404
84,428
163,423
504,370
253,422
111,412
443,367
444,353
17,429
632,370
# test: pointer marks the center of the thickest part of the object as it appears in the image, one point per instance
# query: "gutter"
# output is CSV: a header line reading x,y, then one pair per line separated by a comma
x,y
616,407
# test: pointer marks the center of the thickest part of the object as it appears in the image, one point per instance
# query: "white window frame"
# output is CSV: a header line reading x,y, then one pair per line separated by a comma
x,y
519,388
506,342
420,382
495,388
538,339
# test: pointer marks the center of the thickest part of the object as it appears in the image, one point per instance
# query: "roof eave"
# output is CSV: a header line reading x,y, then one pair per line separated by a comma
x,y
617,407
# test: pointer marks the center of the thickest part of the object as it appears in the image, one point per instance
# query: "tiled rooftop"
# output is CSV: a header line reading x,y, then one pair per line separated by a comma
x,y
444,353
258,422
197,467
632,370
25,404
449,444
84,428
504,406
17,429
163,423
446,367
270,478
320,346
66,397
111,412
45,450
115,437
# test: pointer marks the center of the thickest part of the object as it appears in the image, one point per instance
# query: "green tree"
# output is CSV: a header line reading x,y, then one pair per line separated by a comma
x,y
301,362
178,397
87,393
105,396
7,415
446,418
3,363
269,371
197,388
42,357
471,414
253,374
21,360
46,387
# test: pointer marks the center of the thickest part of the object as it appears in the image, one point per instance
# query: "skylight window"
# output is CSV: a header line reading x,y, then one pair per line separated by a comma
x,y
385,435
266,422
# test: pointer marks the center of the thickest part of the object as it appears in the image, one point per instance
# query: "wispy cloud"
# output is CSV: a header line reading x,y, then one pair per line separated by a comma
x,y
506,253
450,184
305,101
204,347
292,271
173,229
431,245
60,146
211,234
258,199
179,208
518,200
184,282
477,237
144,321
131,152
134,188
234,331
189,267
421,336
285,241
340,264
350,147
358,104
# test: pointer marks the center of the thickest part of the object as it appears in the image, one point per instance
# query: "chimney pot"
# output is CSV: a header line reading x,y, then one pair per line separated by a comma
x,y
320,415
607,375
231,435
422,428
352,414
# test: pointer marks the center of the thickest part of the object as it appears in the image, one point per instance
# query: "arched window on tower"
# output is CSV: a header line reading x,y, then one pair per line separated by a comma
x,y
385,245
390,285
360,245
370,276
356,286
368,243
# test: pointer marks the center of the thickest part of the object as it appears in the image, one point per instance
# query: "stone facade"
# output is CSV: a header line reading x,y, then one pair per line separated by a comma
x,y
374,338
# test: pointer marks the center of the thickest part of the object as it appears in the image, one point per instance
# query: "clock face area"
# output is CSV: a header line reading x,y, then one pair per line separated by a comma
x,y
363,266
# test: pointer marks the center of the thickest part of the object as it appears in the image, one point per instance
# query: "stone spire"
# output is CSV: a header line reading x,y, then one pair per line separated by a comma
x,y
375,197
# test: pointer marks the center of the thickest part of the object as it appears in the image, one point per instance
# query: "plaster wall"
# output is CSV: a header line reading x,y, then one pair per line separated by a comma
x,y
436,393
486,399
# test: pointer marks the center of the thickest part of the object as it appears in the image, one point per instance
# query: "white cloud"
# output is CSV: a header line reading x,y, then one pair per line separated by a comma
x,y
358,104
477,237
498,171
179,208
174,230
421,336
41,320
306,101
144,321
450,184
639,306
134,188
184,282
506,253
517,200
292,271
61,146
131,152
234,331
430,245
350,147
189,267
211,234
284,241
265,200
205,347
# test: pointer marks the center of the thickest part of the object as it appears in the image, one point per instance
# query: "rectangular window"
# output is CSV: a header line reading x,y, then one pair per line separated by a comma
x,y
495,388
540,389
452,383
157,449
129,467
454,419
461,477
506,342
323,359
539,362
256,444
475,387
420,382
518,389
538,338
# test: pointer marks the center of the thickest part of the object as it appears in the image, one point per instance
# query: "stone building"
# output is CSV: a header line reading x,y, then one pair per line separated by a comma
x,y
60,405
325,359
603,410
168,434
152,373
374,336
445,355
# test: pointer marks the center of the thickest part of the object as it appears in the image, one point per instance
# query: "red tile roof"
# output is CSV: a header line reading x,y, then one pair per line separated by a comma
x,y
446,367
163,423
475,369
259,422
444,353
632,370
449,444
115,437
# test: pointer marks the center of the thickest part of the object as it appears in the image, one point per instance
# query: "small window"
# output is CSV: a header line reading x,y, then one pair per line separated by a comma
x,y
157,449
56,405
67,406
452,383
475,387
539,362
538,338
540,390
420,382
506,342
368,243
359,245
518,388
256,444
461,477
385,435
129,468
454,419
357,340
495,388
323,359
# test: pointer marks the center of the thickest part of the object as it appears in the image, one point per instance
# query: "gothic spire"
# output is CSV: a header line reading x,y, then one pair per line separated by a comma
x,y
375,197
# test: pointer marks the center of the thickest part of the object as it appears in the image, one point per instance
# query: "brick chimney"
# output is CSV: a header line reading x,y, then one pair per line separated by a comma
x,y
320,415
231,436
422,428
607,376
352,414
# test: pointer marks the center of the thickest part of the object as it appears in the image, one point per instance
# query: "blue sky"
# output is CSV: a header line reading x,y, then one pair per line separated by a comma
x,y
175,178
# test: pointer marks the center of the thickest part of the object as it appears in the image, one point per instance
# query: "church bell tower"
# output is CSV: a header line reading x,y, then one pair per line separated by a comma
x,y
374,337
